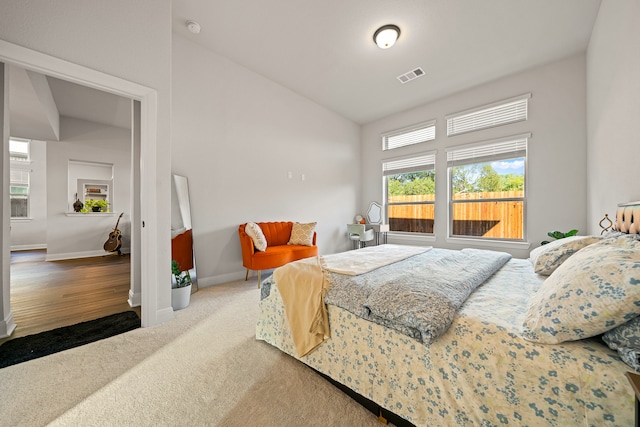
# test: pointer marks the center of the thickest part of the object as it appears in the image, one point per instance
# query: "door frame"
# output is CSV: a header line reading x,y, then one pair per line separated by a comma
x,y
143,221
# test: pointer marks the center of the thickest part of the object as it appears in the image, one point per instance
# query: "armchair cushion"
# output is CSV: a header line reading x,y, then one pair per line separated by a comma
x,y
302,234
254,231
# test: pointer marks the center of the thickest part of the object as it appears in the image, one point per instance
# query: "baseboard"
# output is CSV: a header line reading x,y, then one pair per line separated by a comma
x,y
75,255
7,326
37,246
203,282
135,300
221,279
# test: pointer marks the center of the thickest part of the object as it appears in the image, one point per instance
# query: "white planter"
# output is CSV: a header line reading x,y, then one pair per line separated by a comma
x,y
180,297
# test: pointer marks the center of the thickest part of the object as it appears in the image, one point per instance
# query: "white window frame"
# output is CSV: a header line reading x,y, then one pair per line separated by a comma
x,y
499,113
20,175
410,135
483,152
414,163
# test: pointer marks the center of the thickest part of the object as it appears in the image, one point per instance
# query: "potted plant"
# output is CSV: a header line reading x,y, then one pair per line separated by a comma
x,y
180,287
559,235
95,205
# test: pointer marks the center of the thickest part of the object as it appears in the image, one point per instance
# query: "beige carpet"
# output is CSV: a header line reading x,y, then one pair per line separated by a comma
x,y
204,368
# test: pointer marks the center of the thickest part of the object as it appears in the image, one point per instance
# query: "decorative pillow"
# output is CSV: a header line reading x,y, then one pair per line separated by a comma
x,y
592,292
614,234
547,258
254,231
302,234
626,339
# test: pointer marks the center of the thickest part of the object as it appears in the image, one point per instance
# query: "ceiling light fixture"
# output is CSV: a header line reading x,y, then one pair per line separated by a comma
x,y
194,27
386,36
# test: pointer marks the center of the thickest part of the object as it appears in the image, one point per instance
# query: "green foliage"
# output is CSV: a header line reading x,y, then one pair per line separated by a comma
x,y
183,278
103,205
559,235
481,177
413,183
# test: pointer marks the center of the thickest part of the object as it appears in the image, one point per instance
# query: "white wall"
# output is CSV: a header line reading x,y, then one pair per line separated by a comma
x,y
556,172
32,233
236,135
82,235
132,41
613,109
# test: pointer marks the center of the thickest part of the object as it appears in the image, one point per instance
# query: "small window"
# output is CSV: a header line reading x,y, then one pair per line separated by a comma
x,y
487,183
410,135
496,114
19,177
410,190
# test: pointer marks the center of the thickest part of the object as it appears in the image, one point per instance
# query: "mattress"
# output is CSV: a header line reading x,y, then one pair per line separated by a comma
x,y
479,372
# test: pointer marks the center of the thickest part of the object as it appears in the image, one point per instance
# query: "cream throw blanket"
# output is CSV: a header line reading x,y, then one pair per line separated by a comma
x,y
302,286
354,263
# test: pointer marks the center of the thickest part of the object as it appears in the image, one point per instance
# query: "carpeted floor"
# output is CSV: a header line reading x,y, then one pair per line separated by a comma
x,y
31,347
203,368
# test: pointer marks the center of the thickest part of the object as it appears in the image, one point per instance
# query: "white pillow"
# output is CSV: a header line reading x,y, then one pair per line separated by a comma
x,y
547,258
302,234
592,292
254,231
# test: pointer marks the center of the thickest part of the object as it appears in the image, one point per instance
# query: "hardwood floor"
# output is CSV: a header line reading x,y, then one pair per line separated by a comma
x,y
49,294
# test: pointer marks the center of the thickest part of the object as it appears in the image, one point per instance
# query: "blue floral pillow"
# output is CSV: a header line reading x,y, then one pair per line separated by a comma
x,y
592,292
626,340
547,258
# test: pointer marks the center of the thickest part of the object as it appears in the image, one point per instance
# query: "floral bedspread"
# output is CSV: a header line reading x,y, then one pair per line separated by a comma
x,y
479,372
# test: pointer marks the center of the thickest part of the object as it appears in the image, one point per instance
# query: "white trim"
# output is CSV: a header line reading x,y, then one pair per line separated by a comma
x,y
77,255
490,243
91,214
413,238
135,299
33,247
29,59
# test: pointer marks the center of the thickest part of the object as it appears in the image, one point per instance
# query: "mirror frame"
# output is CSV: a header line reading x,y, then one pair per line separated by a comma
x,y
181,205
373,208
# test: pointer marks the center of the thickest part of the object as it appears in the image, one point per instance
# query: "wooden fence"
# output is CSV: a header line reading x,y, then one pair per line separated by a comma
x,y
492,219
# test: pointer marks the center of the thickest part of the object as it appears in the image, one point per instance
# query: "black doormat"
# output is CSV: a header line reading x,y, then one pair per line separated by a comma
x,y
21,349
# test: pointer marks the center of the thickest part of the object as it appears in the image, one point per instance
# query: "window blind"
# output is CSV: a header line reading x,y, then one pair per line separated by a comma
x,y
500,113
418,163
19,176
488,152
408,136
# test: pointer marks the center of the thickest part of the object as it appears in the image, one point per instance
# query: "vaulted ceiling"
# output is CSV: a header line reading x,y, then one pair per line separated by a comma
x,y
324,51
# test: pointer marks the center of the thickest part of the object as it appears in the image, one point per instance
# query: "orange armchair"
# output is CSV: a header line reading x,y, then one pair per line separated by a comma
x,y
278,252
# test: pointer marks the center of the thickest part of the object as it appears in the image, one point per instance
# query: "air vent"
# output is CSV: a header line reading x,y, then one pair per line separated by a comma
x,y
411,75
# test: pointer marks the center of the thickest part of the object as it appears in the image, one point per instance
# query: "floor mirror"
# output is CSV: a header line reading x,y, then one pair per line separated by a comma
x,y
181,231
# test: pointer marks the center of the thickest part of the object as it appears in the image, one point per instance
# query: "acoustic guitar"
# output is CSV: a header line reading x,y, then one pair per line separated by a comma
x,y
114,242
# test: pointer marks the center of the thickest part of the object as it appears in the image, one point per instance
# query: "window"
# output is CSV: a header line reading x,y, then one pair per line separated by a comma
x,y
415,134
90,186
19,177
487,183
410,190
496,114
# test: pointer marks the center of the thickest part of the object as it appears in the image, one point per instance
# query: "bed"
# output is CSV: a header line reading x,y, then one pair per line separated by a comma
x,y
497,362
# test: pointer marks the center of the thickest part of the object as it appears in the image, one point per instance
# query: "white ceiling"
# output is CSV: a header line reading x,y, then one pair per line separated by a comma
x,y
324,50
90,104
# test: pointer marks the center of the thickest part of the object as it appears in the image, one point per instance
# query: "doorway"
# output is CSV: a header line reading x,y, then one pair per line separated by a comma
x,y
85,162
145,223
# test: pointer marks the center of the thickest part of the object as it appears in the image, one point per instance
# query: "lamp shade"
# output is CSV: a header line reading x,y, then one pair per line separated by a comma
x,y
386,36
